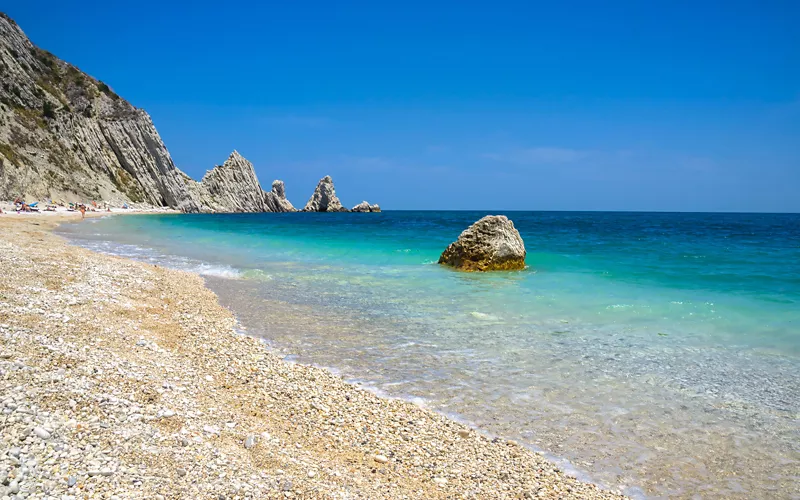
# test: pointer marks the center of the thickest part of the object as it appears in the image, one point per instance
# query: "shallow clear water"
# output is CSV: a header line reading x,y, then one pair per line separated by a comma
x,y
658,353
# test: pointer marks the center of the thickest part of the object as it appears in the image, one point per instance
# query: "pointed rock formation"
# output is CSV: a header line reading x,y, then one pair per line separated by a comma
x,y
491,244
276,201
324,198
366,207
230,187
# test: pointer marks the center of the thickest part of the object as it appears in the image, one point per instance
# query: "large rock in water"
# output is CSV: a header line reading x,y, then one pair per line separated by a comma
x,y
366,207
491,244
324,198
276,201
230,187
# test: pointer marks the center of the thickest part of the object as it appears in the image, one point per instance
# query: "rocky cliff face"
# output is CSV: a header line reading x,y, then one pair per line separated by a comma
x,y
234,187
67,136
230,187
324,198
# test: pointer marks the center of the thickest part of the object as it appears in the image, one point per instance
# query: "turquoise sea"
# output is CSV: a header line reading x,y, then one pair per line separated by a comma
x,y
657,353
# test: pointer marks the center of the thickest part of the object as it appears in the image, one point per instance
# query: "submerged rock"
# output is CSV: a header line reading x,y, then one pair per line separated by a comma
x,y
491,244
324,198
366,207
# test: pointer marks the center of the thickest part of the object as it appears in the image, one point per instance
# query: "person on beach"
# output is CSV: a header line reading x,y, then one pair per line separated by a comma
x,y
83,211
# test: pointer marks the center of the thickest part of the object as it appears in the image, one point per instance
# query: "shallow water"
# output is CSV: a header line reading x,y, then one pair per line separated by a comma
x,y
657,353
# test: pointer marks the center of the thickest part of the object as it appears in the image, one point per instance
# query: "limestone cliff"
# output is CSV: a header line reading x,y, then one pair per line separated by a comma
x,y
324,198
67,136
234,187
230,187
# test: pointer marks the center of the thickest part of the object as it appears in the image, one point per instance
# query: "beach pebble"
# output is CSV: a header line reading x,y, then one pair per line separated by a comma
x,y
463,433
41,433
381,459
250,441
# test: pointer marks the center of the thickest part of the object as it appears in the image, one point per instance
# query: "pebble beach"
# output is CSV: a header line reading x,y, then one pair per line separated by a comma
x,y
120,379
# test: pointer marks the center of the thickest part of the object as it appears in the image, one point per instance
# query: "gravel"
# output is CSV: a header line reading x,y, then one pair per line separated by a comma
x,y
135,395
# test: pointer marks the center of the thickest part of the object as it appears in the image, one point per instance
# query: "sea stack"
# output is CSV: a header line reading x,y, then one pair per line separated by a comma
x,y
276,201
366,207
491,244
324,198
230,187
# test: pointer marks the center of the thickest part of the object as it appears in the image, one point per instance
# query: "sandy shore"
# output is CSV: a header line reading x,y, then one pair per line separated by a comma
x,y
120,379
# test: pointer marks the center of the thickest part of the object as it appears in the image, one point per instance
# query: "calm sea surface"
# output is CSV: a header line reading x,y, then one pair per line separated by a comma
x,y
651,352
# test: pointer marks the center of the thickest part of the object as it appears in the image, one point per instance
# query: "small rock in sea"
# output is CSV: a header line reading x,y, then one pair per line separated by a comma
x,y
250,441
463,433
491,244
381,459
43,434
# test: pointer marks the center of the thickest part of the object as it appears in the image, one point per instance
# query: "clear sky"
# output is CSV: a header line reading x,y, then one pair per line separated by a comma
x,y
627,105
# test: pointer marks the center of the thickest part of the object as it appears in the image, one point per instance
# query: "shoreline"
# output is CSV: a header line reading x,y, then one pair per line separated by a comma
x,y
125,378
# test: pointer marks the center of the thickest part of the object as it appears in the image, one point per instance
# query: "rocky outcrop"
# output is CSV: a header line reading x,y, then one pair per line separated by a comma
x,y
230,187
491,244
366,207
324,198
67,136
276,201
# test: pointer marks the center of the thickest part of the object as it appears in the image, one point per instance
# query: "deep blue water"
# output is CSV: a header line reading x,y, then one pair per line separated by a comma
x,y
657,352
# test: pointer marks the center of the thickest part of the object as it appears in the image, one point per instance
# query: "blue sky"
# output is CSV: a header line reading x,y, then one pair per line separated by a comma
x,y
673,105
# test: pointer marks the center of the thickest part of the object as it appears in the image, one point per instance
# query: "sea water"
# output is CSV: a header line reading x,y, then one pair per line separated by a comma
x,y
654,353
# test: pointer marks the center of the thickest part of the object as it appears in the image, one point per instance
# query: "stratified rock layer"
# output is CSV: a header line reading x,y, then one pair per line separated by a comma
x,y
491,244
324,198
366,207
67,136
230,187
